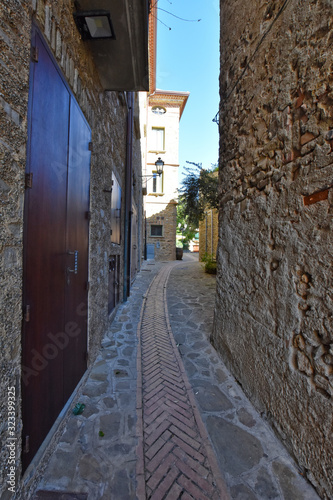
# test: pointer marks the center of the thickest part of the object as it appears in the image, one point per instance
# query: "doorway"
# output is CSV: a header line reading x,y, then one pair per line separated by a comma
x,y
56,232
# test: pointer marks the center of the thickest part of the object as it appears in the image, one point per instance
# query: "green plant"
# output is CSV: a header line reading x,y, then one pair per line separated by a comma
x,y
199,191
210,267
208,257
185,231
209,263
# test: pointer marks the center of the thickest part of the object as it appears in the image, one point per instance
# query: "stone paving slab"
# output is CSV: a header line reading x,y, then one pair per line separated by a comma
x,y
96,455
255,464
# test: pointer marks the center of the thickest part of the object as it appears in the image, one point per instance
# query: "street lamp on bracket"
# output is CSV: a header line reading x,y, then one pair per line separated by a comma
x,y
159,163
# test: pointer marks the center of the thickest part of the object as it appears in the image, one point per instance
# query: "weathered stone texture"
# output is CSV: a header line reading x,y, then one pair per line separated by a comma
x,y
106,113
165,246
208,234
273,321
14,78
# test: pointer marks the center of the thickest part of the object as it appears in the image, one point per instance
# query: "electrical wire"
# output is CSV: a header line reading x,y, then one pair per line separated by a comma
x,y
159,20
181,18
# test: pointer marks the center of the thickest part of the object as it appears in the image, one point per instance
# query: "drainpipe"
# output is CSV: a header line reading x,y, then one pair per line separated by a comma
x,y
211,231
145,248
128,197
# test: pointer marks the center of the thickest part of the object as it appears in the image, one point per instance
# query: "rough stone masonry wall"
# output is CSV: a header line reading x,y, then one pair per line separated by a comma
x,y
14,77
273,318
106,113
165,246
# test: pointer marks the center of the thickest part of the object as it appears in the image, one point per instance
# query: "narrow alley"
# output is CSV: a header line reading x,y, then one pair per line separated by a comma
x,y
163,418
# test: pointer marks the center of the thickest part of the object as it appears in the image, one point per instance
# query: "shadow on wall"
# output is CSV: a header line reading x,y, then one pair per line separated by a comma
x,y
160,232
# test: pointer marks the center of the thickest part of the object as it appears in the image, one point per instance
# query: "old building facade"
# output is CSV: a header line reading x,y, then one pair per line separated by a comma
x,y
71,207
273,317
164,110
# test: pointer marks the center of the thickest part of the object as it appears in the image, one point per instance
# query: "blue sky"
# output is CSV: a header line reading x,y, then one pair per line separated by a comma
x,y
188,60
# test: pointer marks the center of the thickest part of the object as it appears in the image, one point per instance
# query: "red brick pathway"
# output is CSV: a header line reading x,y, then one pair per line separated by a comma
x,y
175,458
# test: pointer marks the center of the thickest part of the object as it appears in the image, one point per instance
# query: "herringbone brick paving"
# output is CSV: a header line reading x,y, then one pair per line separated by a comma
x,y
175,458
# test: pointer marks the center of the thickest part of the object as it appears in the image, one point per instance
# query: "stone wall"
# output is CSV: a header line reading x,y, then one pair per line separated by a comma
x,y
137,178
273,318
14,89
208,234
106,113
165,246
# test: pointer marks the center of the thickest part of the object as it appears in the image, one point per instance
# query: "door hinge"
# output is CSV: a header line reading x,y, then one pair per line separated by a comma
x,y
27,314
34,54
86,356
88,286
88,215
28,180
91,146
26,446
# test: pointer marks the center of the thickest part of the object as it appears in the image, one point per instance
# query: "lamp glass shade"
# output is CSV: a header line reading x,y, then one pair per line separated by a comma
x,y
159,166
99,27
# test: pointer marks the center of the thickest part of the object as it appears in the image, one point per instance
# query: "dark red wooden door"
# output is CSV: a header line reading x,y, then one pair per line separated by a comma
x,y
55,301
134,242
77,248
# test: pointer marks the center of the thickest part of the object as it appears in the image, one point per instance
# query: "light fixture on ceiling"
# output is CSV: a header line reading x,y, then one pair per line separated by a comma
x,y
94,24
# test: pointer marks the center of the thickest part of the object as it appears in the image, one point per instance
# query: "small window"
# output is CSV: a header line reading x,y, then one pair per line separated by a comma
x,y
157,142
158,110
155,184
156,230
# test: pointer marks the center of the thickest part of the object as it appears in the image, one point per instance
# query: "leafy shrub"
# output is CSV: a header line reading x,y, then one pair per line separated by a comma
x,y
210,267
210,263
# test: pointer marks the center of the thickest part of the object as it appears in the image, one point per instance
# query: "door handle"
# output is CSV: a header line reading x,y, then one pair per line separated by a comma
x,y
75,253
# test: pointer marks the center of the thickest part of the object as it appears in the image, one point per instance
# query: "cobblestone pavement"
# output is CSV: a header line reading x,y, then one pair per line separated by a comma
x,y
96,454
108,453
254,463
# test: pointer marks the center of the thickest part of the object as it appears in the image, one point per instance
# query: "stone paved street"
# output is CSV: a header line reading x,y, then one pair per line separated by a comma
x,y
181,391
176,459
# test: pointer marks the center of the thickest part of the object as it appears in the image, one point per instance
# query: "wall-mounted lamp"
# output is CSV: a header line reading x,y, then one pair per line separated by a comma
x,y
159,166
159,163
94,24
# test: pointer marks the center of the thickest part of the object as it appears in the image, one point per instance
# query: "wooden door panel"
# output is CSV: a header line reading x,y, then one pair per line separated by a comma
x,y
134,242
45,213
54,334
77,241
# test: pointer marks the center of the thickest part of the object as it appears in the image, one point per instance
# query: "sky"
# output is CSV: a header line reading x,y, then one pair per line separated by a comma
x,y
188,61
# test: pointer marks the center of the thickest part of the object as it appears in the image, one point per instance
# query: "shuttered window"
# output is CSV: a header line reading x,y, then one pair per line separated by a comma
x,y
157,139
